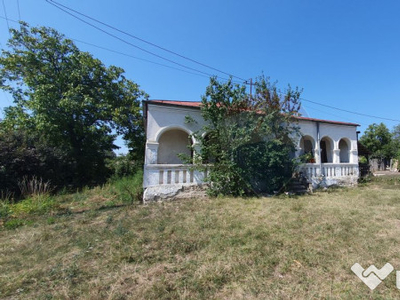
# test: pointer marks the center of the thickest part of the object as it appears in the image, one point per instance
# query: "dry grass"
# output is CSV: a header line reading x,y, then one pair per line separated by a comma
x,y
300,247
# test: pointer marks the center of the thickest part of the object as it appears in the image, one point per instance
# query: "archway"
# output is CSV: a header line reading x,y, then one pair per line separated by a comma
x,y
172,143
307,146
344,151
326,146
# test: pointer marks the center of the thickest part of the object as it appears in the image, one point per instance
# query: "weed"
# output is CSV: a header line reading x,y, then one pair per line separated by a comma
x,y
34,186
36,204
51,220
14,223
129,189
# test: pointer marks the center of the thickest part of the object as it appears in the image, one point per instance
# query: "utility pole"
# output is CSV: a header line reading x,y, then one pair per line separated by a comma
x,y
251,86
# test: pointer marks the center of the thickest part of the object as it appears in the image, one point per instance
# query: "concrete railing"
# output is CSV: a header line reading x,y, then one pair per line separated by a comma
x,y
165,174
172,174
330,170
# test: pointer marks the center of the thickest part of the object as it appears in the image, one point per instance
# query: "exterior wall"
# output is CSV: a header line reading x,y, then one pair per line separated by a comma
x,y
169,126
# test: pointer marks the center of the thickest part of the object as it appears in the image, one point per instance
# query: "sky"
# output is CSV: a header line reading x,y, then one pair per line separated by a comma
x,y
343,54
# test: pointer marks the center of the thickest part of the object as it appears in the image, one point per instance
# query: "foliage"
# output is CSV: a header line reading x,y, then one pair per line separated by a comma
x,y
28,154
123,166
71,99
35,204
248,137
362,159
14,223
4,208
34,186
307,157
378,139
396,141
129,189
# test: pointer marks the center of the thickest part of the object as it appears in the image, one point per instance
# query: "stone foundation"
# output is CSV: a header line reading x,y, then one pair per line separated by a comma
x,y
173,191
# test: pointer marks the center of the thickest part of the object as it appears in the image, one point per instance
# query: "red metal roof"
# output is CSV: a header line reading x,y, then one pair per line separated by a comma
x,y
178,103
197,104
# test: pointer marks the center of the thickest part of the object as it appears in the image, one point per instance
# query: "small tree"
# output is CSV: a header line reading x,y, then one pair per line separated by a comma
x,y
249,138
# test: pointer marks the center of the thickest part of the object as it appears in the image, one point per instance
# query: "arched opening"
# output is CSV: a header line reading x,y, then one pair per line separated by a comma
x,y
173,143
307,146
326,146
344,151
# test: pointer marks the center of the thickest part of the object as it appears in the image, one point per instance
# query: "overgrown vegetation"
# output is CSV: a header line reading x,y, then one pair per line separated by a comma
x,y
248,138
224,248
119,191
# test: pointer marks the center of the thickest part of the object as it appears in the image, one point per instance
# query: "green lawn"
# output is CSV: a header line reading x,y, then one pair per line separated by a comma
x,y
280,247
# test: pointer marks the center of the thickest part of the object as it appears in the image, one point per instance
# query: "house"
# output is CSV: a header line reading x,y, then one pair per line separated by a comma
x,y
332,144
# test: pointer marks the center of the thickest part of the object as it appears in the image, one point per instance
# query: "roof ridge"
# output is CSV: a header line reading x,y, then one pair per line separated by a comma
x,y
197,104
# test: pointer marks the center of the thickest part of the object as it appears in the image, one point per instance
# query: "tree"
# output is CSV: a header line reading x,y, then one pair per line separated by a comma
x,y
396,141
378,139
24,154
70,98
249,138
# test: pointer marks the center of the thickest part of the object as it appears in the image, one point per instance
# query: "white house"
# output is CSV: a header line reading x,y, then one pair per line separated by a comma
x,y
333,145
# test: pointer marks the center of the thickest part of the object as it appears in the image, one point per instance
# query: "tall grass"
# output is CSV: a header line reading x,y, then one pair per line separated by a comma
x,y
129,189
34,186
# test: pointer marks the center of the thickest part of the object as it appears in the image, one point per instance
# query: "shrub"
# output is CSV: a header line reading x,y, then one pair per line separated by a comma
x,y
37,204
129,189
362,159
123,165
248,137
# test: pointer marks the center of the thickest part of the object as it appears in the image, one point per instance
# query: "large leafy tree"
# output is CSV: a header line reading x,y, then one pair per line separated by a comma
x,y
249,138
378,139
72,99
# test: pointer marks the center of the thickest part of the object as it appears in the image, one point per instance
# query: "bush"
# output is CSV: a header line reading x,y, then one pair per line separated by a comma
x,y
129,189
37,204
24,155
362,159
123,165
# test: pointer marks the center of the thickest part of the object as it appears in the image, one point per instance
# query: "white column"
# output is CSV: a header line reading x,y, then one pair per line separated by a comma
x,y
151,153
317,154
196,153
336,156
353,157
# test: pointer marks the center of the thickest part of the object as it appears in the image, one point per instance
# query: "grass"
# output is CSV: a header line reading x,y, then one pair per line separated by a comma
x,y
279,247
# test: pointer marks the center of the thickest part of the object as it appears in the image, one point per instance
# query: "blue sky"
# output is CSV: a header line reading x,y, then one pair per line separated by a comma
x,y
344,54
